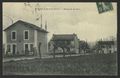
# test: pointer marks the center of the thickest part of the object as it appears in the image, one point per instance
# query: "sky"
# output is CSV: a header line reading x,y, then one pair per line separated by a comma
x,y
81,18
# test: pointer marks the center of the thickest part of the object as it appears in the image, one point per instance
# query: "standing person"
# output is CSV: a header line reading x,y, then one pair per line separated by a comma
x,y
39,47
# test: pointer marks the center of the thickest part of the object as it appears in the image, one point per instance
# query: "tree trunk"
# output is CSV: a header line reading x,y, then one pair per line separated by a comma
x,y
69,51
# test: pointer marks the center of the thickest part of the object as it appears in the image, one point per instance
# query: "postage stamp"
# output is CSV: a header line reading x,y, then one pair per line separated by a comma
x,y
104,6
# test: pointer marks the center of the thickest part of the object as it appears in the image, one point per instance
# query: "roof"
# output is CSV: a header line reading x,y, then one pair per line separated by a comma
x,y
63,36
28,25
106,42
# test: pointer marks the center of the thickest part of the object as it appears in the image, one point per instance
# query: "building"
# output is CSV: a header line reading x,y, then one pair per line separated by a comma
x,y
69,42
106,47
23,38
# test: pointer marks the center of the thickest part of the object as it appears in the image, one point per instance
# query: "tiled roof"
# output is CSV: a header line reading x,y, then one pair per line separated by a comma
x,y
28,25
63,36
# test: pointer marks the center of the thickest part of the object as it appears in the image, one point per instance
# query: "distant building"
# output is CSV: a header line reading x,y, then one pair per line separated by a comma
x,y
69,41
106,47
23,38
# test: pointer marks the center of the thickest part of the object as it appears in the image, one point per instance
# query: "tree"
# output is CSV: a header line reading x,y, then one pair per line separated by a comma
x,y
83,46
97,47
64,44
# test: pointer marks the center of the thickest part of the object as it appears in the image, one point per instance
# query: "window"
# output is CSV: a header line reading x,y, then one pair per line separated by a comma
x,y
14,49
102,46
13,35
26,35
8,48
110,51
31,47
11,48
28,46
109,46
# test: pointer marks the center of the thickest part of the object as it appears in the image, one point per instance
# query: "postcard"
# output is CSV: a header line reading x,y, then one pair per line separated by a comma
x,y
60,38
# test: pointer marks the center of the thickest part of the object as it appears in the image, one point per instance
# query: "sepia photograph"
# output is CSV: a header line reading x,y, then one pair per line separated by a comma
x,y
59,38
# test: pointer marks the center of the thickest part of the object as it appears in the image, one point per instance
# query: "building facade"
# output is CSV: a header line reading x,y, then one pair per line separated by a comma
x,y
69,42
106,47
23,38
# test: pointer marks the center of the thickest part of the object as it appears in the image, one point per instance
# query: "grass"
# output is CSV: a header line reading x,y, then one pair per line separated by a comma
x,y
104,64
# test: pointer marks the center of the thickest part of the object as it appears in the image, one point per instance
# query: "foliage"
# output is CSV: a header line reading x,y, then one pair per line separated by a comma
x,y
64,44
84,46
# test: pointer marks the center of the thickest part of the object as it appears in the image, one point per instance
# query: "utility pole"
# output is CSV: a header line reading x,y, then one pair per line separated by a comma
x,y
41,20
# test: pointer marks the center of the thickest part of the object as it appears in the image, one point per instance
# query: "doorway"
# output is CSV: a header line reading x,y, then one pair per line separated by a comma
x,y
14,49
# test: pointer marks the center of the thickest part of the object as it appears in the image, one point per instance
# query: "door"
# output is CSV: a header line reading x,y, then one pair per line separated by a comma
x,y
31,49
14,49
26,49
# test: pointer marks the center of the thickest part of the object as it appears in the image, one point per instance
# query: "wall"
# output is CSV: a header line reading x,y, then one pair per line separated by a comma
x,y
42,37
76,44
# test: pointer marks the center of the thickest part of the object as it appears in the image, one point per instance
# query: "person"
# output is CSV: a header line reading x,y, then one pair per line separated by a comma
x,y
39,47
